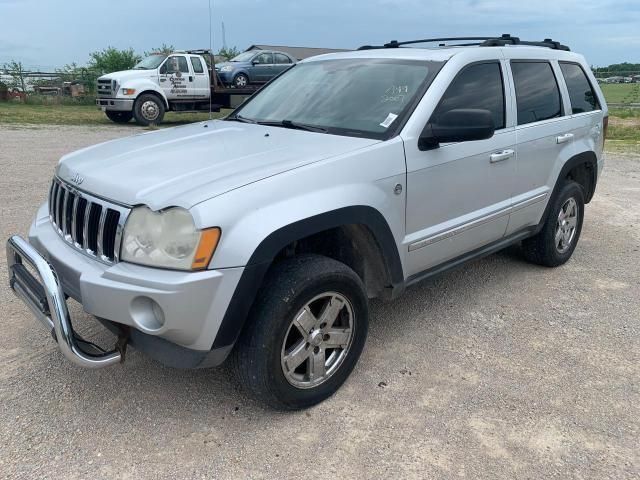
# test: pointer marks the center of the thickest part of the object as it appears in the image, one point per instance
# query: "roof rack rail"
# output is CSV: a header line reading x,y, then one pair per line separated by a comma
x,y
504,39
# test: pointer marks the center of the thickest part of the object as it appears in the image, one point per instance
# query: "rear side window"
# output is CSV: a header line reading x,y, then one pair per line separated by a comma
x,y
583,98
281,58
476,86
537,92
197,65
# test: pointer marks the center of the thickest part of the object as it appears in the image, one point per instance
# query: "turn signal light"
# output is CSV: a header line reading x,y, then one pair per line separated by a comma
x,y
209,239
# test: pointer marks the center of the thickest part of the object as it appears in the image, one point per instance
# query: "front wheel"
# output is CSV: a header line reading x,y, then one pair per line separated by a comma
x,y
557,240
305,332
240,80
119,117
148,109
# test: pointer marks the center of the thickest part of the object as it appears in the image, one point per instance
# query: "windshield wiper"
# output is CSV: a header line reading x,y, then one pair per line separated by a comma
x,y
294,125
240,118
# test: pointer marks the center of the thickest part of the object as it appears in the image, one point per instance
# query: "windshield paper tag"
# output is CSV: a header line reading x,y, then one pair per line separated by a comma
x,y
389,120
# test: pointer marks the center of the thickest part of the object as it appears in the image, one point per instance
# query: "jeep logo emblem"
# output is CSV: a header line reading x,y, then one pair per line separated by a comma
x,y
77,179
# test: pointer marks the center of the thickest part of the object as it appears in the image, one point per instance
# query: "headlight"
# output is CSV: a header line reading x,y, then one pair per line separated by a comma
x,y
167,239
226,68
128,91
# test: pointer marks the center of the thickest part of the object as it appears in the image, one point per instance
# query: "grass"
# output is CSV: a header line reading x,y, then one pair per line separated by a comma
x,y
624,123
14,113
621,92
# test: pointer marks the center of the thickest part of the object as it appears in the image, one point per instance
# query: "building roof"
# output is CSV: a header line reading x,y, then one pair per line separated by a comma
x,y
299,53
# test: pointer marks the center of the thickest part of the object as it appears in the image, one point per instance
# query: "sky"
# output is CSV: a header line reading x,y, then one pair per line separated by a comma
x,y
51,33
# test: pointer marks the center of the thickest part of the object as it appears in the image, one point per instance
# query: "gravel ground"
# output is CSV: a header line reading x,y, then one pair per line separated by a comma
x,y
498,370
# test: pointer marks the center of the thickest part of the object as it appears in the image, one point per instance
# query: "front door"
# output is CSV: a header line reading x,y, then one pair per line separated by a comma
x,y
261,69
459,194
174,78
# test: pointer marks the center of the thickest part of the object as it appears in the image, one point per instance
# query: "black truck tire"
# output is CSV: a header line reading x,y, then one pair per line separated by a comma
x,y
148,109
304,334
119,117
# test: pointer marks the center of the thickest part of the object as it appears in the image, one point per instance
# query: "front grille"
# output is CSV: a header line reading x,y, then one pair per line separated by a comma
x,y
104,88
90,224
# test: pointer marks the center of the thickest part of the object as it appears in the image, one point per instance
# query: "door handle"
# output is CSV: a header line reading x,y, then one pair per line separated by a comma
x,y
501,156
163,79
564,138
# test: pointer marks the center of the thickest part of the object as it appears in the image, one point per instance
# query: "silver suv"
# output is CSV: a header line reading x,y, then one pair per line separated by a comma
x,y
262,237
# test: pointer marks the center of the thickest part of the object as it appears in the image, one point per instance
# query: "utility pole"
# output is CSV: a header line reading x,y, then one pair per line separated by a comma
x,y
224,37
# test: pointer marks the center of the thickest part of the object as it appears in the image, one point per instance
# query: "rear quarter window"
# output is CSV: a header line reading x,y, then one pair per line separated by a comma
x,y
581,93
537,92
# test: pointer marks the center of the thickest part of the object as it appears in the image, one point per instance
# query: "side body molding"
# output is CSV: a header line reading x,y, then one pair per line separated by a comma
x,y
261,259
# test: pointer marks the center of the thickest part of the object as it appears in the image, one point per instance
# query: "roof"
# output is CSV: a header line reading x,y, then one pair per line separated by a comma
x,y
443,54
299,53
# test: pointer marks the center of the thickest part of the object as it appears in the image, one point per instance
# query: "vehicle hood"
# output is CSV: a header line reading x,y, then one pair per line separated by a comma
x,y
125,75
186,165
233,64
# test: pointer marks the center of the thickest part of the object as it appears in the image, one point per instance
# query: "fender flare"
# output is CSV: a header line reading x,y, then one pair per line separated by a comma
x,y
261,259
587,157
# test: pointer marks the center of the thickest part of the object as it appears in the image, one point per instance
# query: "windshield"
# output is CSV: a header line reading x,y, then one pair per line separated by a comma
x,y
356,97
151,62
243,57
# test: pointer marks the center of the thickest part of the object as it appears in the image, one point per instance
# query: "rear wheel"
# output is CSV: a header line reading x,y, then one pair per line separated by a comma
x,y
305,332
119,117
148,109
557,240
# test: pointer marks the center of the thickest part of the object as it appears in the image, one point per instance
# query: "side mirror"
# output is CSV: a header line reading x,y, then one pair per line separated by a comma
x,y
255,62
458,125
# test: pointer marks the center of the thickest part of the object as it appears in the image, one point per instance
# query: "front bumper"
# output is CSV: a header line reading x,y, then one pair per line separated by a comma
x,y
47,302
115,104
225,77
173,316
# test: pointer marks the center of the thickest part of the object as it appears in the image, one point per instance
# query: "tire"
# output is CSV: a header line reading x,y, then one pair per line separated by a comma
x,y
264,350
148,109
240,80
545,248
119,117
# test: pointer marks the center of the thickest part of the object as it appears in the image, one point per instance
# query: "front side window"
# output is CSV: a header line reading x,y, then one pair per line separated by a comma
x,y
175,64
581,94
537,93
476,86
264,59
356,97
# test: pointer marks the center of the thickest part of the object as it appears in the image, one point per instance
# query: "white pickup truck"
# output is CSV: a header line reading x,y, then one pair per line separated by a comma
x,y
180,82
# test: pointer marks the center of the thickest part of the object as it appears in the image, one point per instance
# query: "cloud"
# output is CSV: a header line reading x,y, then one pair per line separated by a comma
x,y
606,31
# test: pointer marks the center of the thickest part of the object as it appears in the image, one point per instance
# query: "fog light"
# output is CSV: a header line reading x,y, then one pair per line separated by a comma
x,y
147,314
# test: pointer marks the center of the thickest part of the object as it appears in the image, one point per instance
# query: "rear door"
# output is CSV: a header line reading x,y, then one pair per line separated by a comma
x,y
200,77
458,195
586,111
280,63
544,136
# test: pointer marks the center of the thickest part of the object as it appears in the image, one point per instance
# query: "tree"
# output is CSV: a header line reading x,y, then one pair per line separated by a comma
x,y
18,75
228,53
74,73
164,50
111,59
